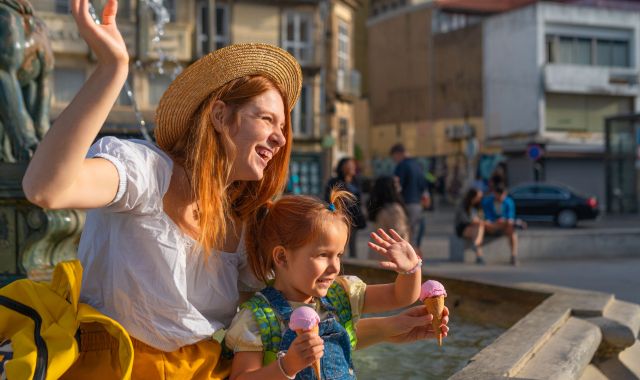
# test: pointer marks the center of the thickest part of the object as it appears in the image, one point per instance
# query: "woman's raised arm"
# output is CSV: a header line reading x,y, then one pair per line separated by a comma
x,y
59,176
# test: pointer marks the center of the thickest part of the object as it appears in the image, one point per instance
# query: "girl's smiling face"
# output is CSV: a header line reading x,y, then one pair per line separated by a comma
x,y
310,270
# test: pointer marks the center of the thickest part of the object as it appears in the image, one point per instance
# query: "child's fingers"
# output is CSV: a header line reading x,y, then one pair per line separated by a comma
x,y
395,235
380,240
385,236
378,249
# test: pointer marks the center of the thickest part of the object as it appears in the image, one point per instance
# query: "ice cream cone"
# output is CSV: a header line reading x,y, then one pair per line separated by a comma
x,y
435,306
316,365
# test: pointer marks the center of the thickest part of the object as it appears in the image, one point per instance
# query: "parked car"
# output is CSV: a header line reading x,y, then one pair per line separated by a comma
x,y
553,203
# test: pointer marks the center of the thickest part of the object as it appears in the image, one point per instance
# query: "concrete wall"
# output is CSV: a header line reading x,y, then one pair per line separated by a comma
x,y
512,96
399,56
457,73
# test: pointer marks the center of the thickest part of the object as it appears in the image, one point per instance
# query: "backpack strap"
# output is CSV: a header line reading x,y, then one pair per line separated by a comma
x,y
268,324
338,298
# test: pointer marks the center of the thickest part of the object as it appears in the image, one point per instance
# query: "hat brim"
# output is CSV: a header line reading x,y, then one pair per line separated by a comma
x,y
197,82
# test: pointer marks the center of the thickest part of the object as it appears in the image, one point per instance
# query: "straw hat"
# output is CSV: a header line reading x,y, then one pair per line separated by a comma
x,y
196,83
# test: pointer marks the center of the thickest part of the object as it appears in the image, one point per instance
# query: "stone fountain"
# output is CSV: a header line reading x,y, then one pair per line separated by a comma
x,y
33,240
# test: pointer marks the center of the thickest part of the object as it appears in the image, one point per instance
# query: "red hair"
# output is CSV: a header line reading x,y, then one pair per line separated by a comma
x,y
291,222
203,154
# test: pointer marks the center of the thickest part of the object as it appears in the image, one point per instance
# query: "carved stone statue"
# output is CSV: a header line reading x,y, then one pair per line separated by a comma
x,y
26,63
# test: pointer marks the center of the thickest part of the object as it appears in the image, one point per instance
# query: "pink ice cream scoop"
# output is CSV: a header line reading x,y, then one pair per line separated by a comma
x,y
303,318
432,288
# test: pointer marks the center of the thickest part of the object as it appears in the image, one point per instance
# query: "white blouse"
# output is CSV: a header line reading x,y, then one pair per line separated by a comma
x,y
145,273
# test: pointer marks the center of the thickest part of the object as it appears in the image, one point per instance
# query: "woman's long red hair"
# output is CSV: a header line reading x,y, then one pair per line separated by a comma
x,y
203,154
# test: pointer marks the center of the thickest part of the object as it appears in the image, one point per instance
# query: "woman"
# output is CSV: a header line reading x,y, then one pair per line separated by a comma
x,y
162,248
346,179
469,224
386,208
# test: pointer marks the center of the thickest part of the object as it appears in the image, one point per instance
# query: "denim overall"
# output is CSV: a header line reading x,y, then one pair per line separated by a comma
x,y
336,364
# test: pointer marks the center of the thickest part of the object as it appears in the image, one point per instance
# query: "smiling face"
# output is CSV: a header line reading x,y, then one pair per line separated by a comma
x,y
310,270
257,136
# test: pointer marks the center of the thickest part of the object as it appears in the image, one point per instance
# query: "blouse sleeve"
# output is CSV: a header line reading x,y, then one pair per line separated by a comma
x,y
355,289
144,173
243,334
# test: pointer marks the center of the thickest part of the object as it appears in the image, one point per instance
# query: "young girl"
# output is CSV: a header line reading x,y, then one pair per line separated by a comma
x,y
300,241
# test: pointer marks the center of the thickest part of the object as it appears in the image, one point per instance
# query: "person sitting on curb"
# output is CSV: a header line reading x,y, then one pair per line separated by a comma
x,y
500,215
468,222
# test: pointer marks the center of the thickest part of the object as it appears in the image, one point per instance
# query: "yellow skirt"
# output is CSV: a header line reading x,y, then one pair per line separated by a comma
x,y
99,359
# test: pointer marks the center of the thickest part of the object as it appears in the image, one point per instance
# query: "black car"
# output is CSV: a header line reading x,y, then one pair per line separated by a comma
x,y
543,202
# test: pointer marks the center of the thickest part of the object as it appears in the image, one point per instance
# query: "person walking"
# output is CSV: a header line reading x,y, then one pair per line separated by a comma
x,y
412,186
386,208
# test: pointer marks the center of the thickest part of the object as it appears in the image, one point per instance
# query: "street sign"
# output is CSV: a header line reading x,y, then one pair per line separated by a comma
x,y
535,151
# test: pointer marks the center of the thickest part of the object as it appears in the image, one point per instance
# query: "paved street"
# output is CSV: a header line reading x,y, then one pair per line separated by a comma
x,y
620,276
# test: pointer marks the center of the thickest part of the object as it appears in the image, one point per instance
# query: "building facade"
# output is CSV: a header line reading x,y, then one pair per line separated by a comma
x,y
425,89
320,34
569,67
467,84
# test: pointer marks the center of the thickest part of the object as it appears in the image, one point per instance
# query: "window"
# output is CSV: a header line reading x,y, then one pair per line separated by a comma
x,y
446,22
344,49
222,25
297,32
67,83
157,86
302,116
594,51
202,28
613,53
550,193
62,6
524,192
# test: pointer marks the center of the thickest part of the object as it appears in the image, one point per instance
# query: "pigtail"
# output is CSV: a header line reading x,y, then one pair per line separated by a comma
x,y
342,201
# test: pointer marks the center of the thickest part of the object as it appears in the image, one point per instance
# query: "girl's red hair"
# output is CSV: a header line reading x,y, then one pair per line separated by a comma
x,y
291,222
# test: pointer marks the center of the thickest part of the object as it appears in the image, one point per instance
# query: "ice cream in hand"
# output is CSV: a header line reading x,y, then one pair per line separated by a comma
x,y
432,294
306,319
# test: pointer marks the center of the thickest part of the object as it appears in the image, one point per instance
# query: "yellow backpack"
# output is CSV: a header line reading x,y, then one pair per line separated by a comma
x,y
41,321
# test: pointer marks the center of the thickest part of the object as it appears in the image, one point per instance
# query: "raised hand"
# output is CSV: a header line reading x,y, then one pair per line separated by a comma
x,y
400,255
104,39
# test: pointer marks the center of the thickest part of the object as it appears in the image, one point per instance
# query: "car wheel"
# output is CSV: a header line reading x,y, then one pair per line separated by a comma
x,y
567,219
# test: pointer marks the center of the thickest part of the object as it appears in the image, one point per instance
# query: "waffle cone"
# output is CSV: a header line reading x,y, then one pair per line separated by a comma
x,y
435,306
316,364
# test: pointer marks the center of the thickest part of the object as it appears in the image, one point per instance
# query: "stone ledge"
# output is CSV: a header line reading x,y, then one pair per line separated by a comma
x,y
566,354
562,337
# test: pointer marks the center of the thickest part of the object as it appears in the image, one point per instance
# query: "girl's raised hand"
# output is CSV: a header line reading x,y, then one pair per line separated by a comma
x,y
399,253
104,39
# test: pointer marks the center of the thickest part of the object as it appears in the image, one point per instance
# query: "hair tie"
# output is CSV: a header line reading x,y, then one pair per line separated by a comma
x,y
331,207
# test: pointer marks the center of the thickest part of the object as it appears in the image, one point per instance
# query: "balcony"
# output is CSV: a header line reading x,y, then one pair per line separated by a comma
x,y
591,80
348,83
